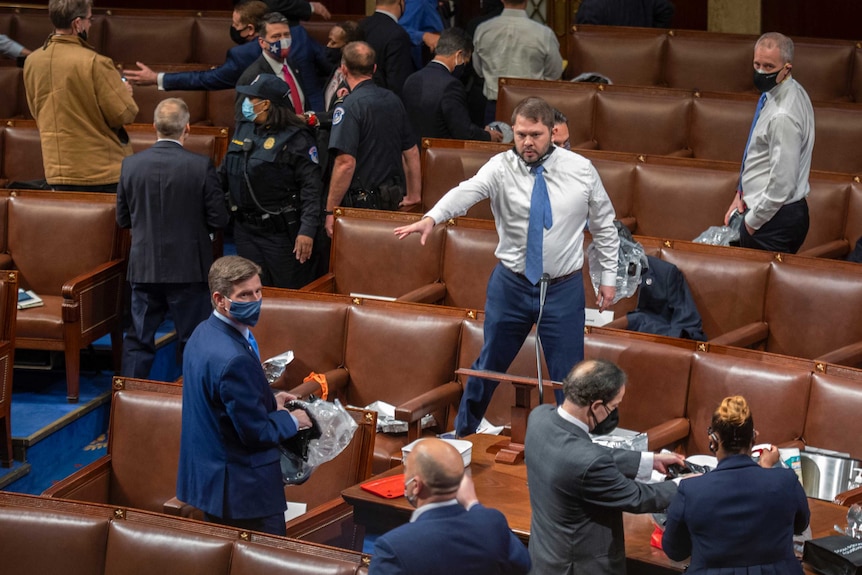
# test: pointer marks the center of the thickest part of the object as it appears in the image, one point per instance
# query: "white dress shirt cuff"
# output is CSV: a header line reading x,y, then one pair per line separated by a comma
x,y
645,467
609,278
160,80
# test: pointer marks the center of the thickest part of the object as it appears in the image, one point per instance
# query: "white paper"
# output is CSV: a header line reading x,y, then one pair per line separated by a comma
x,y
596,318
294,510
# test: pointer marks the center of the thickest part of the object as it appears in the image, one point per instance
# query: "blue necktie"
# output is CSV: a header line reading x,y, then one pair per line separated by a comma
x,y
540,219
253,343
757,110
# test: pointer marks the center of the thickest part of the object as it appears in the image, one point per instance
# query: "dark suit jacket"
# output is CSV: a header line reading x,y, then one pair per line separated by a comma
x,y
578,492
665,305
261,66
436,104
223,77
229,462
392,45
448,540
171,199
737,516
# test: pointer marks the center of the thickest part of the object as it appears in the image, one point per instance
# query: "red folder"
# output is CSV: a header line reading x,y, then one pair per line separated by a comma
x,y
388,487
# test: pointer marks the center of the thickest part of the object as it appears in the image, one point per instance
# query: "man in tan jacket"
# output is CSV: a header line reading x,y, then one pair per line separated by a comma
x,y
80,104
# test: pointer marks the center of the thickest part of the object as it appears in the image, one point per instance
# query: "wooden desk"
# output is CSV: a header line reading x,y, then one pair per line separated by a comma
x,y
504,487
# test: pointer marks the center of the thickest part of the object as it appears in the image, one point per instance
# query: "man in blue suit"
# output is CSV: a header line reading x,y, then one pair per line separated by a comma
x,y
232,422
450,531
243,31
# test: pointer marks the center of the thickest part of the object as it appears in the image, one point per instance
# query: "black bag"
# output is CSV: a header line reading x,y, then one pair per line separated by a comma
x,y
834,555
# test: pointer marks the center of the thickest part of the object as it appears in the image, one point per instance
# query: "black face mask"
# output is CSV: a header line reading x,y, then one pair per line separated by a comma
x,y
766,82
458,71
608,424
236,36
333,56
83,35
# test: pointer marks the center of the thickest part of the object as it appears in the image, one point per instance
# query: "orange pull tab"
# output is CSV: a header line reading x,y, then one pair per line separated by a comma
x,y
655,539
320,379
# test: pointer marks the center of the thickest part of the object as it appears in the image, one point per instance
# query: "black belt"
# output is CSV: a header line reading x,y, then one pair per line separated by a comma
x,y
552,281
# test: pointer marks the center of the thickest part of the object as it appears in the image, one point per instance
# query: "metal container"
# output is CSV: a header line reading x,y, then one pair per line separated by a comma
x,y
825,476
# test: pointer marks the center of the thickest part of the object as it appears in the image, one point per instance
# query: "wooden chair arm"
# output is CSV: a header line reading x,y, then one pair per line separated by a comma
x,y
750,335
90,483
434,399
177,508
848,498
429,293
325,284
336,379
849,355
102,284
667,433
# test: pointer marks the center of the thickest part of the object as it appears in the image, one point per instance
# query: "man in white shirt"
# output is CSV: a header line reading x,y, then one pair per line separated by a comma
x,y
512,45
542,197
773,182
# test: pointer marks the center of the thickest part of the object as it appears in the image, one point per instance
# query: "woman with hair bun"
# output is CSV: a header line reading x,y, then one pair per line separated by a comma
x,y
740,518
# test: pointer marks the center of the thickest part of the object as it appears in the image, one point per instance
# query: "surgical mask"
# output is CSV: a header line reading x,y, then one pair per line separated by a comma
x,y
279,49
236,36
608,424
248,110
765,82
411,499
245,312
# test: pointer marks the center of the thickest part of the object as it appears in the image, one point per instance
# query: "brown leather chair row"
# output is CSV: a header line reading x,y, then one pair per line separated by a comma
x,y
673,198
8,313
68,249
668,121
140,469
830,70
21,150
58,536
128,35
394,351
747,298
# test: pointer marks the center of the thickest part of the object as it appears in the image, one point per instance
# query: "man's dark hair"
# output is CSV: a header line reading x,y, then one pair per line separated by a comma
x,y
270,18
358,58
451,40
534,109
64,12
559,118
593,380
251,12
352,31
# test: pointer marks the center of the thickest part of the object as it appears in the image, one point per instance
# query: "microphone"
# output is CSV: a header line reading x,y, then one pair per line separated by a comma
x,y
543,292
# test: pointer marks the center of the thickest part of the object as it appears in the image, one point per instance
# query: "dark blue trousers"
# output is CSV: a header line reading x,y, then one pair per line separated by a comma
x,y
511,309
784,233
189,304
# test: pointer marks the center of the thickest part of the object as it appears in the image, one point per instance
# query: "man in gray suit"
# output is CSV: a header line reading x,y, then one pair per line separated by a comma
x,y
578,489
171,199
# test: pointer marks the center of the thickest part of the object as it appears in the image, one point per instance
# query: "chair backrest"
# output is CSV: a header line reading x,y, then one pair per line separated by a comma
x,y
468,260
11,92
40,227
396,353
641,121
703,62
447,163
827,207
777,393
144,444
832,420
313,326
635,59
351,466
368,258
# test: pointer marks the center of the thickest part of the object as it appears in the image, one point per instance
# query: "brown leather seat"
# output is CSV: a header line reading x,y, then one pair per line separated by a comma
x,y
79,276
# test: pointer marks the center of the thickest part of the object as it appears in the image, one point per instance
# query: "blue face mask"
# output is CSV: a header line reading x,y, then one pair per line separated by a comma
x,y
248,110
245,312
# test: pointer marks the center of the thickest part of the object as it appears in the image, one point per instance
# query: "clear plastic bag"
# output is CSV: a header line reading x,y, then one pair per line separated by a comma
x,y
722,235
332,432
274,367
631,261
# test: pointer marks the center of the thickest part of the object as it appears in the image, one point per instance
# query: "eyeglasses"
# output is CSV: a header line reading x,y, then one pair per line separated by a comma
x,y
87,18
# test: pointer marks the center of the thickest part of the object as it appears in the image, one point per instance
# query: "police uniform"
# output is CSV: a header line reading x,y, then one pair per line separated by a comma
x,y
372,126
285,199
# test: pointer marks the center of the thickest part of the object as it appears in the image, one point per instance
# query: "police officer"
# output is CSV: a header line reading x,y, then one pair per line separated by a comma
x,y
272,175
370,136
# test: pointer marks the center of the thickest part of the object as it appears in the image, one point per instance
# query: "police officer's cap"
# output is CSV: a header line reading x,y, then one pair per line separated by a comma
x,y
268,87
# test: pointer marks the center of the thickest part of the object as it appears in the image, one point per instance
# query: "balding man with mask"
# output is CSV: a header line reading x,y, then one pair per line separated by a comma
x,y
448,516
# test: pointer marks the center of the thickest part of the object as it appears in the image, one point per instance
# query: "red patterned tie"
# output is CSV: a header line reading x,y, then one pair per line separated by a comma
x,y
294,91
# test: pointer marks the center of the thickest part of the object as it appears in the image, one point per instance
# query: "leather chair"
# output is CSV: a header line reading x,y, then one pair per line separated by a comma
x,y
69,250
632,56
12,92
368,259
8,312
